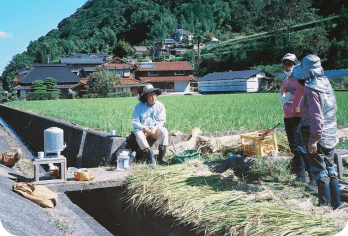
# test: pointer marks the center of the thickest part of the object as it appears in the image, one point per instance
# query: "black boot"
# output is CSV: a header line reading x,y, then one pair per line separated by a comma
x,y
335,192
299,169
150,156
162,155
324,191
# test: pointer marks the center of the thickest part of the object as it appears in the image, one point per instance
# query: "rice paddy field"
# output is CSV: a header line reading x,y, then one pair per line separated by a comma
x,y
212,113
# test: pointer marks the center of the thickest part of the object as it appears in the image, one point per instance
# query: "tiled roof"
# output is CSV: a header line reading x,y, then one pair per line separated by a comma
x,y
130,81
183,32
60,72
140,48
76,60
112,64
167,66
170,41
168,78
116,62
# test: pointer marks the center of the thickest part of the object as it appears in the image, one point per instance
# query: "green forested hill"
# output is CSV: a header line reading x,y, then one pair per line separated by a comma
x,y
251,32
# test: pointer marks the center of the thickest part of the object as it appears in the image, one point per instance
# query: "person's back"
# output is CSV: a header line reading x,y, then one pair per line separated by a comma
x,y
319,128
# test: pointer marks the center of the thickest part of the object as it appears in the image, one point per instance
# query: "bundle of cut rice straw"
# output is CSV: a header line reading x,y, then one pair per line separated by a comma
x,y
219,204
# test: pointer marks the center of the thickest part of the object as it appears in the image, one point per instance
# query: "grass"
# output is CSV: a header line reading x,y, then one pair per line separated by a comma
x,y
225,204
343,144
212,113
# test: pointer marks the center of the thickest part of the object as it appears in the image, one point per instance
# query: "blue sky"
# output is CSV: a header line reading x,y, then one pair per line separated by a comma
x,y
22,21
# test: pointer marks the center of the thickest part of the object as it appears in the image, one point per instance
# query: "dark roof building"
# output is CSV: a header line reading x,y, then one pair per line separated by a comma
x,y
60,72
84,64
179,33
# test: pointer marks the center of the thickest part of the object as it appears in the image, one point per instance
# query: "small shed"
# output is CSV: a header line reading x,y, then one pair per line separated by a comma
x,y
235,81
140,50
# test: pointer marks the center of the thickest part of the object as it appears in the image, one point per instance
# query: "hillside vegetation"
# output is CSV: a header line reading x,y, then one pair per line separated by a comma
x,y
251,32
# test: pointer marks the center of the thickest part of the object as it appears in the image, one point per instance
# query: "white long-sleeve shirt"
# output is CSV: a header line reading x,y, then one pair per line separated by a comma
x,y
148,116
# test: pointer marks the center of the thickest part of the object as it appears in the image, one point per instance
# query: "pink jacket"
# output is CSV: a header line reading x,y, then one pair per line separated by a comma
x,y
296,90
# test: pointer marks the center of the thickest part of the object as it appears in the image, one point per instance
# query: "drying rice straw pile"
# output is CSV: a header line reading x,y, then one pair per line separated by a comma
x,y
218,204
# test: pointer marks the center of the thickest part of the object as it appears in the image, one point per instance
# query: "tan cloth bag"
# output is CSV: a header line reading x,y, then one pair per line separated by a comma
x,y
83,176
38,194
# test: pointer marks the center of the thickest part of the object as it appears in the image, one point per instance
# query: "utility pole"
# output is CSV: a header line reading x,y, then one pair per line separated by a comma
x,y
199,51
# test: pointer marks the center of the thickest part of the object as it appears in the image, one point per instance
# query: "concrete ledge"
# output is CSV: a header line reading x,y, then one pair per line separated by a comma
x,y
105,177
97,148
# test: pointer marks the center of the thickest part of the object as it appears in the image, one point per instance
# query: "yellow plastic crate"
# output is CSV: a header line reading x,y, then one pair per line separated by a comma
x,y
253,144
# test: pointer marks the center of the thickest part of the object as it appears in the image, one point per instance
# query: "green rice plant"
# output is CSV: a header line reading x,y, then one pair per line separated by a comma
x,y
212,113
270,169
221,204
283,145
343,144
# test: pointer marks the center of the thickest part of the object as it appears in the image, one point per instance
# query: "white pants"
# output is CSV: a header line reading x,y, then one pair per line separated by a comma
x,y
142,142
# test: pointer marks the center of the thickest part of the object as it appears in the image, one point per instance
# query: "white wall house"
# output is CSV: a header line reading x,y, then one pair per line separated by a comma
x,y
236,81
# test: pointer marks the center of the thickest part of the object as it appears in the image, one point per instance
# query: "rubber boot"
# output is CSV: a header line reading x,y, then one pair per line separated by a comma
x,y
150,156
162,155
312,186
324,191
335,192
299,170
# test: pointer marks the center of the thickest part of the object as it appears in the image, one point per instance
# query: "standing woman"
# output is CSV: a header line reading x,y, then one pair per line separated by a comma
x,y
319,128
291,94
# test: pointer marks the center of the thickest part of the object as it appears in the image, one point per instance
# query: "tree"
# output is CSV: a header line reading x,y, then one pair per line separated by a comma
x,y
312,41
3,95
122,49
104,82
280,14
38,86
208,36
52,87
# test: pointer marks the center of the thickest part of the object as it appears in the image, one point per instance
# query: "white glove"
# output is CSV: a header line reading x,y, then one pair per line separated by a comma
x,y
285,97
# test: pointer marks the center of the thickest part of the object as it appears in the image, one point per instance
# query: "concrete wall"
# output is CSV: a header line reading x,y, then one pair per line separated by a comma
x,y
97,149
30,127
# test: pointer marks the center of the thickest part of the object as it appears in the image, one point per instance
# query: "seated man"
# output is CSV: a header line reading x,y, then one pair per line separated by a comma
x,y
149,117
